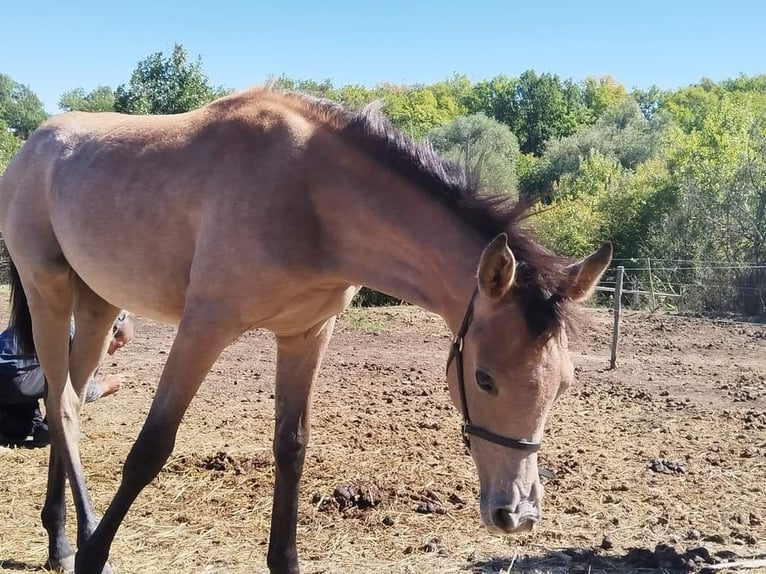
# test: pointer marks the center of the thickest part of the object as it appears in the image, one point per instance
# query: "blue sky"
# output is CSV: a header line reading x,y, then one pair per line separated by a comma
x,y
54,46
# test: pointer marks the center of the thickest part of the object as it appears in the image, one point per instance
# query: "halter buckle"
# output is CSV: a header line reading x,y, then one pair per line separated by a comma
x,y
464,434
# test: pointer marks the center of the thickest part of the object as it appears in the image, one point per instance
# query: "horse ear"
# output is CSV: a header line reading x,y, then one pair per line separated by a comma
x,y
582,277
497,268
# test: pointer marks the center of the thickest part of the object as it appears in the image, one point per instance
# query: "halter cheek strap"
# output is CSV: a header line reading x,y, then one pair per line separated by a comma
x,y
468,428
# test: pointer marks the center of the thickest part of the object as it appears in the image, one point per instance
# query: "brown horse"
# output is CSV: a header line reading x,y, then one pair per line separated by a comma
x,y
265,210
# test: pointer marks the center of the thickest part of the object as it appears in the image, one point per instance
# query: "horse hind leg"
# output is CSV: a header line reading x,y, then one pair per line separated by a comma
x,y
52,293
44,298
53,515
42,304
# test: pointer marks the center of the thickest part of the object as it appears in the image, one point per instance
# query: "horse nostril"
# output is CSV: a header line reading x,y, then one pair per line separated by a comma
x,y
522,520
501,518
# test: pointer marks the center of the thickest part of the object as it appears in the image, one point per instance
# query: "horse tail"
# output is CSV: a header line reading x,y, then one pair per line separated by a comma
x,y
21,319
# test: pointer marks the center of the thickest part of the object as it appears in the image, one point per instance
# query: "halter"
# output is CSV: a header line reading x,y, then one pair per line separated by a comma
x,y
467,428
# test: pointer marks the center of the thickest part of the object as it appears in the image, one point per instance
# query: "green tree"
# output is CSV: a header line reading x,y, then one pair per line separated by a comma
x,y
495,98
454,91
622,134
166,85
648,100
603,201
9,145
545,108
691,104
719,170
324,89
600,94
20,108
744,83
573,223
355,96
718,182
102,99
417,110
484,145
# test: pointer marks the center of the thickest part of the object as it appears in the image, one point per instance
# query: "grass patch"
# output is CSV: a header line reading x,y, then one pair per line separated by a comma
x,y
360,319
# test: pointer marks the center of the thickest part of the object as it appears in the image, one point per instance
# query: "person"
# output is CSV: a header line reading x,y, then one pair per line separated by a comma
x,y
23,384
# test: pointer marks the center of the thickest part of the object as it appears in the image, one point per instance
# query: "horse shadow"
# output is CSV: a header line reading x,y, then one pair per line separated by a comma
x,y
663,559
14,565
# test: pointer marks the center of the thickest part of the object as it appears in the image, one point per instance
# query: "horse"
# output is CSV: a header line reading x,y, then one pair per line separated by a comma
x,y
268,210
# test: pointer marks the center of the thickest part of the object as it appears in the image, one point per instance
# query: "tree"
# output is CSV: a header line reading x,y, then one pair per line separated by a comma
x,y
495,98
453,91
102,99
691,104
324,89
20,108
719,170
166,85
622,135
9,145
603,201
744,83
484,145
460,90
544,110
355,96
648,101
600,94
417,110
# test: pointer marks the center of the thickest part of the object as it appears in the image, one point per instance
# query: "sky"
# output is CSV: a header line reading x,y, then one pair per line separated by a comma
x,y
56,45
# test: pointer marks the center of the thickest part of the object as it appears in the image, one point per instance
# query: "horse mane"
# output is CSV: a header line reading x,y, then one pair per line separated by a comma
x,y
539,273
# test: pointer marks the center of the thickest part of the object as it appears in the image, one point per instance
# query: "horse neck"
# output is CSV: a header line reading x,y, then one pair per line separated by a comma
x,y
402,242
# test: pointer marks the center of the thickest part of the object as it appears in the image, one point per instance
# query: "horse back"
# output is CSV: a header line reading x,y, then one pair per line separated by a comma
x,y
136,203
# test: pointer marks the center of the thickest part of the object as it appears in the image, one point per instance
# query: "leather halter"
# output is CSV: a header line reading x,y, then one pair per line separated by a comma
x,y
467,428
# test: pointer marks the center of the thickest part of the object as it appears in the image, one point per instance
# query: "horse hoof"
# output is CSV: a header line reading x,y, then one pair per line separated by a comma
x,y
62,565
107,569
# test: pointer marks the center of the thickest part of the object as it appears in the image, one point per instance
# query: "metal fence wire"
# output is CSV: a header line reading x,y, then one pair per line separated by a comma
x,y
705,287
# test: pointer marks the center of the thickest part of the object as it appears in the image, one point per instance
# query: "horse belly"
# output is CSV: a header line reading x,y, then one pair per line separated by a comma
x,y
144,284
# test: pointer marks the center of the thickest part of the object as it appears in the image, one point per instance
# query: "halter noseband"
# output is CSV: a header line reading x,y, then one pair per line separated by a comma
x,y
467,428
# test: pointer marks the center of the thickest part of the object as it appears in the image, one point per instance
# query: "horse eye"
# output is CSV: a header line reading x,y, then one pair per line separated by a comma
x,y
484,380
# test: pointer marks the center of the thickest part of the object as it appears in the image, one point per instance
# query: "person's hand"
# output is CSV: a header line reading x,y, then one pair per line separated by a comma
x,y
110,385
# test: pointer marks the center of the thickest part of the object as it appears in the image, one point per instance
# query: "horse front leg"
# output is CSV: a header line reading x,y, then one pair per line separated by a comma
x,y
93,321
202,335
298,361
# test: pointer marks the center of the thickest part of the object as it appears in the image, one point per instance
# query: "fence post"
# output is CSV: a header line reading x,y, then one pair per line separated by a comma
x,y
651,283
617,312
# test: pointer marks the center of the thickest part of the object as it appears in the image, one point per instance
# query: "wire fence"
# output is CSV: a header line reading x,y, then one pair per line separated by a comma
x,y
706,287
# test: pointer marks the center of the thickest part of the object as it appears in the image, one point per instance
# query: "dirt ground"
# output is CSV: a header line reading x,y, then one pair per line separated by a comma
x,y
664,455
